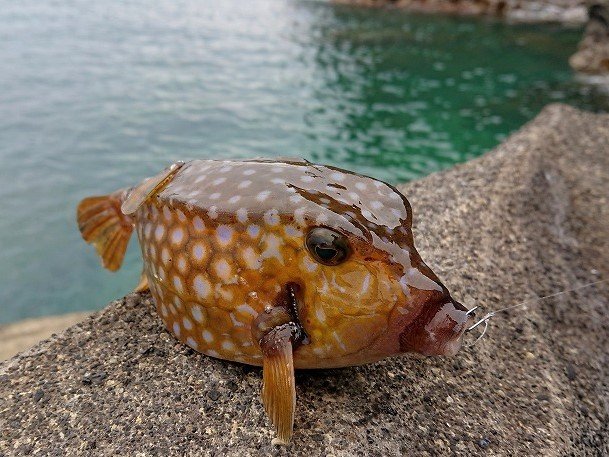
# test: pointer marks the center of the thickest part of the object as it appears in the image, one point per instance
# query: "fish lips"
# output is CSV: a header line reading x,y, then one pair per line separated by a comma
x,y
437,330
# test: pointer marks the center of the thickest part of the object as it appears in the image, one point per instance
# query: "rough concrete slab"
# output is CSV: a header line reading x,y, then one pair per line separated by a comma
x,y
526,220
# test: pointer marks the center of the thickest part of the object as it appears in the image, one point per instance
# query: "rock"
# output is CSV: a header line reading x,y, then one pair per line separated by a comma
x,y
592,56
525,220
564,11
94,378
18,336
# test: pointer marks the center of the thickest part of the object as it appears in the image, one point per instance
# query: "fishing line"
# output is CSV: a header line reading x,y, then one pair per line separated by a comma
x,y
484,320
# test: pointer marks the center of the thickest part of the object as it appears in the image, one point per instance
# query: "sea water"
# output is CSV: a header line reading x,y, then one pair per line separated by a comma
x,y
95,96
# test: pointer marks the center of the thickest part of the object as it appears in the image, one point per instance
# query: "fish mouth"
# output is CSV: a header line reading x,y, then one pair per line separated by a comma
x,y
284,311
438,329
294,300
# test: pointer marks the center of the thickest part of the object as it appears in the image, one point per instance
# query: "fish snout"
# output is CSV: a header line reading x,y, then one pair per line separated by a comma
x,y
438,330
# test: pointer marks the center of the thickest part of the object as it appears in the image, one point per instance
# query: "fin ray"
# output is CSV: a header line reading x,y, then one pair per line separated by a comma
x,y
278,384
103,225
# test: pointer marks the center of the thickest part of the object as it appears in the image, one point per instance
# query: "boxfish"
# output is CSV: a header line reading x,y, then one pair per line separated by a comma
x,y
279,263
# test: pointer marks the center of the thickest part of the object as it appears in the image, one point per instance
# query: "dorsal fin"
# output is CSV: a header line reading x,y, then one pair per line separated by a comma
x,y
149,187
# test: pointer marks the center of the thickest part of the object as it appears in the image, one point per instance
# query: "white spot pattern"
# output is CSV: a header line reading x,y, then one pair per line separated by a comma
x,y
201,286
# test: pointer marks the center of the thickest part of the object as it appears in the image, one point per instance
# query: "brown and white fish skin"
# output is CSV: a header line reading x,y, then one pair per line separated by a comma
x,y
225,253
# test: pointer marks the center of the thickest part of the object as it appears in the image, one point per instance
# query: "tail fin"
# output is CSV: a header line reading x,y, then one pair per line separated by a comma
x,y
103,225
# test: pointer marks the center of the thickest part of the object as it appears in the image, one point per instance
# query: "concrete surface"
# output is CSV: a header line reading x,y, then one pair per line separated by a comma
x,y
530,218
19,336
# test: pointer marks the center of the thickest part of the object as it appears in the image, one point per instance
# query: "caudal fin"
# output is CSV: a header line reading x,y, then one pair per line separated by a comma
x,y
102,224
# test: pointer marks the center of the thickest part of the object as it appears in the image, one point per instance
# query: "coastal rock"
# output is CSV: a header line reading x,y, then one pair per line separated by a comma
x,y
565,11
526,220
592,56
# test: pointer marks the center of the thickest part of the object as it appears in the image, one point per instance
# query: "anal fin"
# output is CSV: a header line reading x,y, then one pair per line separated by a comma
x,y
279,389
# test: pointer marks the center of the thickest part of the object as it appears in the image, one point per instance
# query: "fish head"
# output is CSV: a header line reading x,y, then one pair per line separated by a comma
x,y
368,293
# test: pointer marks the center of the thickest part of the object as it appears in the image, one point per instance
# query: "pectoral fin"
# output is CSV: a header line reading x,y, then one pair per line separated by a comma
x,y
278,389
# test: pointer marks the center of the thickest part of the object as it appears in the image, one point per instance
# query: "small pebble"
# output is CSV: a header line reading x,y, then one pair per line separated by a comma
x,y
213,395
94,378
38,395
484,443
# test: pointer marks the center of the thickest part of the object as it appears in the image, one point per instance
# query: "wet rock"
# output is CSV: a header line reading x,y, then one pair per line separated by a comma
x,y
592,56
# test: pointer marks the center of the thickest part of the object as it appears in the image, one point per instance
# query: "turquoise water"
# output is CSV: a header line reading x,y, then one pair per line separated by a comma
x,y
96,95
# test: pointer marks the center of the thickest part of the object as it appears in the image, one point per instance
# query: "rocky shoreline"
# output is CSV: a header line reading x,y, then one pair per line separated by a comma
x,y
526,220
564,11
592,56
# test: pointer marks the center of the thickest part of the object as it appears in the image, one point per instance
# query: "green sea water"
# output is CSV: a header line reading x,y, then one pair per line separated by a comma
x,y
97,95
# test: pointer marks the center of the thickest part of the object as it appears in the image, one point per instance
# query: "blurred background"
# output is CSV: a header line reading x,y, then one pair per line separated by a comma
x,y
98,95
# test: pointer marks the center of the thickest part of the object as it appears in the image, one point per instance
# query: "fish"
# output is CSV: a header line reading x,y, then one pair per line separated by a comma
x,y
279,263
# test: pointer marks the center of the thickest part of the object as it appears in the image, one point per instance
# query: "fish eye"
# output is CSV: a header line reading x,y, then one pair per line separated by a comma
x,y
327,246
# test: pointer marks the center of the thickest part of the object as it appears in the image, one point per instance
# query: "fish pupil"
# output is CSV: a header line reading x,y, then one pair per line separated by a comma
x,y
325,253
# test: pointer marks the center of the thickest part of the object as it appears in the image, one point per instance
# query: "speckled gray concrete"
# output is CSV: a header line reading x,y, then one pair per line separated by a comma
x,y
528,219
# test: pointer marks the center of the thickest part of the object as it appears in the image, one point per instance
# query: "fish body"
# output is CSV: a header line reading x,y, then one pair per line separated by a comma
x,y
275,262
